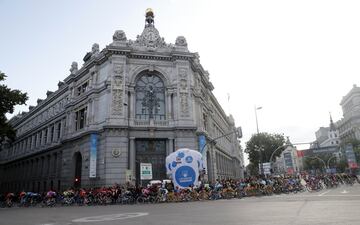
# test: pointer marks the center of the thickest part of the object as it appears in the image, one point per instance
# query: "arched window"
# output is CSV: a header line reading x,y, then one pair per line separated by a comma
x,y
150,97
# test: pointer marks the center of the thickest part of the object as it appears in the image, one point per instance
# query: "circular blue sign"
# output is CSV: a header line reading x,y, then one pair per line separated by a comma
x,y
185,176
174,164
189,159
181,155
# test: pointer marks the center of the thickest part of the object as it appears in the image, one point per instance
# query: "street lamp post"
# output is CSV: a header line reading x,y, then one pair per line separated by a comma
x,y
238,134
315,157
128,134
257,125
257,130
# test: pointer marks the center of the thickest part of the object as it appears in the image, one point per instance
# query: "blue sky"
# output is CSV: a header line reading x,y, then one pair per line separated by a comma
x,y
296,59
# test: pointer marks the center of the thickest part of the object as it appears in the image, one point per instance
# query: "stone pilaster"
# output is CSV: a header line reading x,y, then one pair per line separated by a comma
x,y
132,163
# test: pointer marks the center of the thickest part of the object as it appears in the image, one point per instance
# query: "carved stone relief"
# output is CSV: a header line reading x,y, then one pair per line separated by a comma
x,y
181,41
183,85
183,72
118,82
118,70
95,49
117,89
119,35
117,101
73,69
150,39
184,104
183,89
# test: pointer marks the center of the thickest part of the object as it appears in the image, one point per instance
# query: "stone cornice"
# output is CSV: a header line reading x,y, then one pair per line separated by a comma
x,y
63,113
148,55
41,125
16,121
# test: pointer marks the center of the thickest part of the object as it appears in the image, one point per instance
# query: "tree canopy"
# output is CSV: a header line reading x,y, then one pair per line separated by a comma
x,y
8,100
268,143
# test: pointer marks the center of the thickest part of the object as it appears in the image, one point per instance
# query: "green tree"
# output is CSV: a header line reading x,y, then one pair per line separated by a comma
x,y
316,161
8,99
313,163
267,143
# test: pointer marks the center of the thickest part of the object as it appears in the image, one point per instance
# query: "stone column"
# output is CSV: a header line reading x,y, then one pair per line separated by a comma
x,y
37,144
48,135
169,113
131,104
62,128
42,138
55,138
171,146
132,156
32,142
89,113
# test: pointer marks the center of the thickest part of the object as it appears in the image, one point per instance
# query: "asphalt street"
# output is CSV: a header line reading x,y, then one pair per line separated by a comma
x,y
330,207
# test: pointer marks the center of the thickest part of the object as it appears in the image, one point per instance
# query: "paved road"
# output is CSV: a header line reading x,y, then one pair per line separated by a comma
x,y
330,207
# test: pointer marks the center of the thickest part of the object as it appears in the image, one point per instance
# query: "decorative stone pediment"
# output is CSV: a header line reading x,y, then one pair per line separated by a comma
x,y
150,39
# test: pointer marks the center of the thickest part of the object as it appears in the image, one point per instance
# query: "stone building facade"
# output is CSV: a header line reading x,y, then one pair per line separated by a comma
x,y
327,136
350,123
132,102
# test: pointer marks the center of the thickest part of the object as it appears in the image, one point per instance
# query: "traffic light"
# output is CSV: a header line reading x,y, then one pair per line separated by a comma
x,y
77,182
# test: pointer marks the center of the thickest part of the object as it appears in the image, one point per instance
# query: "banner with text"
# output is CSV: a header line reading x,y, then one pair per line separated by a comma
x,y
93,155
184,166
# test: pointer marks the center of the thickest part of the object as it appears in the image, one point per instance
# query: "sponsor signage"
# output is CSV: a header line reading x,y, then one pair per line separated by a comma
x,y
93,155
184,166
350,156
202,149
266,168
145,171
288,160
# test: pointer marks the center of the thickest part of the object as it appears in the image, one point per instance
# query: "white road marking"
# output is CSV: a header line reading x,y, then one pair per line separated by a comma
x,y
344,192
324,193
342,195
110,217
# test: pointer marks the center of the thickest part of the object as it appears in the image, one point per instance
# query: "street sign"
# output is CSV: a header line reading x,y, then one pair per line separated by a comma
x,y
266,168
145,171
350,155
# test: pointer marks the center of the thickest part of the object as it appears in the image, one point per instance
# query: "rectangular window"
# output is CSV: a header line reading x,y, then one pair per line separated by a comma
x,y
40,138
30,144
80,118
82,88
52,133
35,140
45,136
58,130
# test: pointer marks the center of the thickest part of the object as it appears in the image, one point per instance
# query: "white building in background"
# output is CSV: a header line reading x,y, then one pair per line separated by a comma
x,y
350,123
327,136
288,162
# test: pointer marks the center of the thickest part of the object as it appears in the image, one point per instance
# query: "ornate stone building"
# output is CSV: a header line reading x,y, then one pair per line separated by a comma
x,y
132,102
350,123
